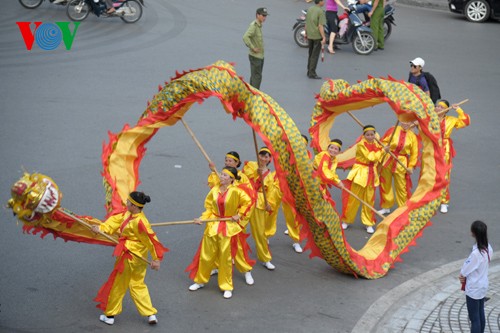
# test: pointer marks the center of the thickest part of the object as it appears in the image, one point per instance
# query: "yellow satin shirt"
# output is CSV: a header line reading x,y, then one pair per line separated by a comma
x,y
364,170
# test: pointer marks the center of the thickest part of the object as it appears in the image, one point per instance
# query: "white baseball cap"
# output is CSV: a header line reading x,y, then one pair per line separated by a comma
x,y
418,62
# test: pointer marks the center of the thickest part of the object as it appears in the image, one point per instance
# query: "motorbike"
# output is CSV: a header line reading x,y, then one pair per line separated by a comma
x,y
32,4
355,32
130,11
388,15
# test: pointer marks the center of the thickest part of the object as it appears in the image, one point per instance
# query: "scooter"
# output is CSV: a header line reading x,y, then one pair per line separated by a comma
x,y
355,32
388,15
32,4
130,11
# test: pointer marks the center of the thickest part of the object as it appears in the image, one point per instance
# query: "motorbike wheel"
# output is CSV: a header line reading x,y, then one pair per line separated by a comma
x,y
299,35
77,10
30,4
364,45
387,30
132,11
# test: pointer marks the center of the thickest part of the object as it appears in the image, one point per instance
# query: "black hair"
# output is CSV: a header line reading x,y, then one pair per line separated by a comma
x,y
140,198
263,152
480,231
235,154
444,101
338,141
234,171
305,138
317,1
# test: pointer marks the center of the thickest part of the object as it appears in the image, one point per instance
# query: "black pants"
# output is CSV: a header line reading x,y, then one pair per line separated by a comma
x,y
312,61
256,66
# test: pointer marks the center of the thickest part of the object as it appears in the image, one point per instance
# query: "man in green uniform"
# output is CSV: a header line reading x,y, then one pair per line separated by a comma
x,y
255,43
315,20
377,23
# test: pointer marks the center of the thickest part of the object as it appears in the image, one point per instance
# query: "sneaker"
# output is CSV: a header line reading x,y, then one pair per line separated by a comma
x,y
152,320
345,225
107,320
269,265
228,294
196,286
214,271
444,208
297,248
384,211
249,278
370,230
285,232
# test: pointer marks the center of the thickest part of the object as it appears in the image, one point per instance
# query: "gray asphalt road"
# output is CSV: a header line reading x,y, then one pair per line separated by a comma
x,y
57,107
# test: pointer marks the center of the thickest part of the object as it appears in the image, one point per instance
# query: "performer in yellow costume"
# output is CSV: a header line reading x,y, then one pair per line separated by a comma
x,y
362,180
242,259
263,179
292,225
403,143
325,165
224,200
448,124
129,272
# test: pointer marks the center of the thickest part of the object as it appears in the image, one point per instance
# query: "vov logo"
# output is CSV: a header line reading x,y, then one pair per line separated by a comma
x,y
48,36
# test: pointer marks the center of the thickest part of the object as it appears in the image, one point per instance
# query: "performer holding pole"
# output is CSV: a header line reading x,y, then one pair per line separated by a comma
x,y
448,124
378,141
223,200
242,259
405,147
265,186
362,180
129,272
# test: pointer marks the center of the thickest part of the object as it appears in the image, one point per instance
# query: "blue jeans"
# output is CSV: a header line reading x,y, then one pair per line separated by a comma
x,y
475,307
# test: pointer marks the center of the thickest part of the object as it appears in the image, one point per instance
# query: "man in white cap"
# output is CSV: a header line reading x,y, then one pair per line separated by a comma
x,y
416,75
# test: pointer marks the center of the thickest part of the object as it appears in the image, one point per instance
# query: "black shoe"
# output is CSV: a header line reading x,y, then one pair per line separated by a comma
x,y
316,77
381,48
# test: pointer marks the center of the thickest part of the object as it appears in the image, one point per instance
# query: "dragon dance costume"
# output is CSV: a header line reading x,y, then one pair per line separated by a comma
x,y
362,180
129,272
261,220
448,124
404,145
219,241
242,259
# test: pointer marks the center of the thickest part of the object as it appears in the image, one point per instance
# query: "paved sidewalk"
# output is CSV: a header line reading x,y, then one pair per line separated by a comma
x,y
431,302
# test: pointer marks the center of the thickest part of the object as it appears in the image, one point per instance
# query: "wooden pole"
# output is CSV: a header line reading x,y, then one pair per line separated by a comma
x,y
380,143
260,176
443,111
161,224
198,144
364,202
392,137
109,237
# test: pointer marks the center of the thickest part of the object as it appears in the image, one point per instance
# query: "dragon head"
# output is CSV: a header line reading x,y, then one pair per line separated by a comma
x,y
33,195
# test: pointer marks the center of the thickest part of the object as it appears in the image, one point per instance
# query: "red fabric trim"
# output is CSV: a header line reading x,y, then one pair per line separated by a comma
x,y
195,263
159,248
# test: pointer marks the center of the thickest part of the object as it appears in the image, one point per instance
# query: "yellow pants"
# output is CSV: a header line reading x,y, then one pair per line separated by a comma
x,y
240,261
212,248
271,222
446,196
132,278
258,228
350,209
291,223
386,189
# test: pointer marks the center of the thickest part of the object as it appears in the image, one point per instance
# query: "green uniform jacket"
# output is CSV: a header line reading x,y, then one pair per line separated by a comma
x,y
315,16
253,39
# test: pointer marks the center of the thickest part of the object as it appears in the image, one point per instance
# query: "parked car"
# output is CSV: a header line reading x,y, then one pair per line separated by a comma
x,y
476,10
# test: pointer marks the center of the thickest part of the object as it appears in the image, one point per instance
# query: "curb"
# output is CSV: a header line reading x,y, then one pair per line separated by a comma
x,y
381,307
